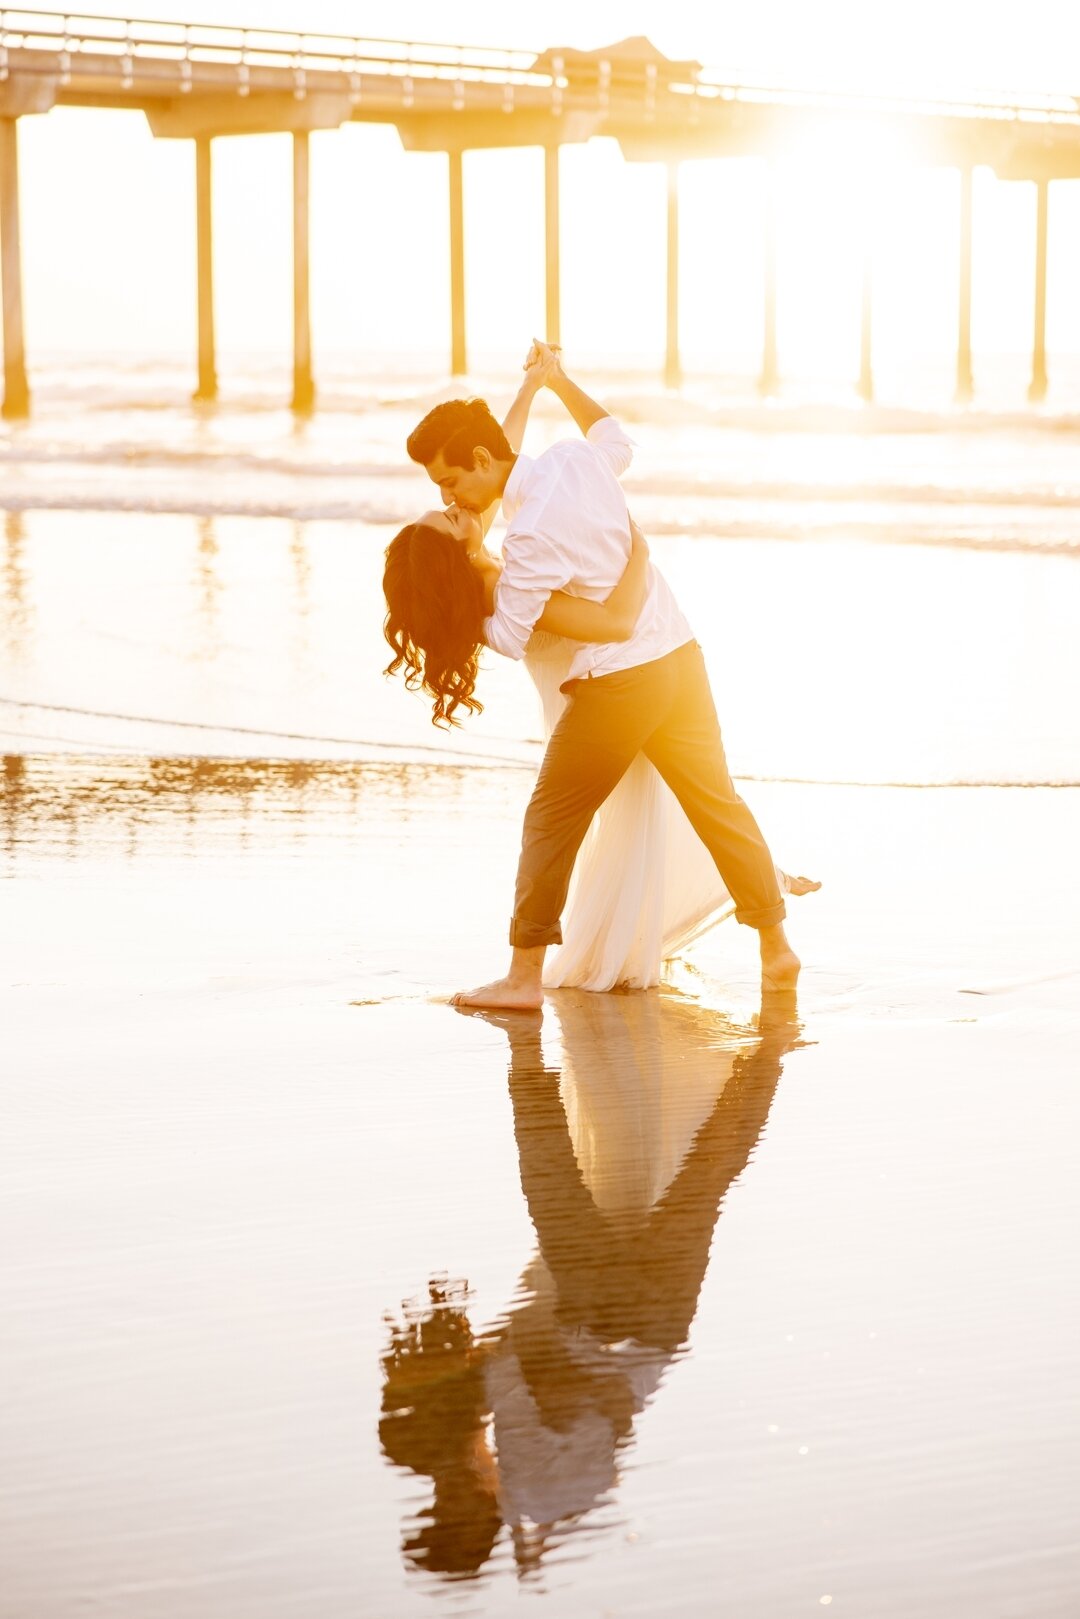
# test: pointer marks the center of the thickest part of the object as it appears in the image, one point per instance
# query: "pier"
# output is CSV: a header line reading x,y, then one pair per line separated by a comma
x,y
204,83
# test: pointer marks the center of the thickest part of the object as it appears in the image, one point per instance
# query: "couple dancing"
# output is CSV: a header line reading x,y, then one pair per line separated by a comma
x,y
634,776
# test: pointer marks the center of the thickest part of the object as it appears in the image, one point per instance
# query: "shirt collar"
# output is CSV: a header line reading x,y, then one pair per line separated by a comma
x,y
514,494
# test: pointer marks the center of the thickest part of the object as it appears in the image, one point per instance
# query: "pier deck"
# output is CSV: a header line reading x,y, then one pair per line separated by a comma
x,y
203,82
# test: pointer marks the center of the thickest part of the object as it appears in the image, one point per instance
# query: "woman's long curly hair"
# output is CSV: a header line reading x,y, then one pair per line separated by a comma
x,y
435,614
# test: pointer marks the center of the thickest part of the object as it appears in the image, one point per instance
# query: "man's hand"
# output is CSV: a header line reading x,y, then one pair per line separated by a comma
x,y
544,361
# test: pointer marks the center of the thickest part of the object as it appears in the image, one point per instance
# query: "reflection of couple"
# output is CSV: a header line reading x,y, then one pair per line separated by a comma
x,y
626,1155
633,730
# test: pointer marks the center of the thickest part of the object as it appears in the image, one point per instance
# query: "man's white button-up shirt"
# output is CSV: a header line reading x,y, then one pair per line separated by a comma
x,y
568,530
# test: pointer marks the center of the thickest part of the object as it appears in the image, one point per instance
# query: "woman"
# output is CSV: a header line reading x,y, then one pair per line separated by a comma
x,y
644,884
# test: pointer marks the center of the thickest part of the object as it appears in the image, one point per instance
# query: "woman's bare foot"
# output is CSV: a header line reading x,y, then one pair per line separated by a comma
x,y
781,975
779,964
800,885
509,994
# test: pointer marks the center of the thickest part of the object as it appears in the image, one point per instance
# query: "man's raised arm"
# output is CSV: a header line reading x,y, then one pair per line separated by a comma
x,y
601,429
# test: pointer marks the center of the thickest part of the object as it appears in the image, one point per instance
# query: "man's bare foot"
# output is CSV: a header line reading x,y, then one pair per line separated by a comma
x,y
508,994
801,885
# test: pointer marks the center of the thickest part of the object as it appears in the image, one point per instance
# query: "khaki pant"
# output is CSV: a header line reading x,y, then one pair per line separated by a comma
x,y
665,710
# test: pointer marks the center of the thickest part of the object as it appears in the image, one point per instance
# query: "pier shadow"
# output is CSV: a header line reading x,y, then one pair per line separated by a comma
x,y
627,1147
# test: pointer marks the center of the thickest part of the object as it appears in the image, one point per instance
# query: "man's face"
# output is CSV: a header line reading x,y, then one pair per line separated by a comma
x,y
474,491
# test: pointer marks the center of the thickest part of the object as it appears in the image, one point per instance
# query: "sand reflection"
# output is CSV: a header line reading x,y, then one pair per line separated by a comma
x,y
16,613
208,585
56,803
627,1148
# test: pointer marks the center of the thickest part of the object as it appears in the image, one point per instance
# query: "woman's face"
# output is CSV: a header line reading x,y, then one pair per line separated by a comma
x,y
459,524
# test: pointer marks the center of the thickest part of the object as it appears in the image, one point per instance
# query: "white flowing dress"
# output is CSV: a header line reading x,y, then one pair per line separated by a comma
x,y
644,885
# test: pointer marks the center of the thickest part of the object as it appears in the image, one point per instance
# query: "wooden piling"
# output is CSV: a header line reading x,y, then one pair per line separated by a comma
x,y
672,363
866,337
208,385
303,399
965,382
1037,389
551,243
458,360
16,389
769,380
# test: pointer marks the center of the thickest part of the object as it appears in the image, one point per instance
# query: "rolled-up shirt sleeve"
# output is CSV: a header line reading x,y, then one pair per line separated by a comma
x,y
532,569
609,439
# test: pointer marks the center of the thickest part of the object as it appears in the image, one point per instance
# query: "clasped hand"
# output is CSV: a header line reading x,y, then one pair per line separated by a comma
x,y
543,363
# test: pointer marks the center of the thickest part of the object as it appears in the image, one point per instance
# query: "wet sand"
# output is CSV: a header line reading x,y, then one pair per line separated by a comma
x,y
323,1298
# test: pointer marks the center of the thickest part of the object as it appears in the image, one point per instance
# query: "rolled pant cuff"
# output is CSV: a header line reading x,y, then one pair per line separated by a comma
x,y
768,917
528,935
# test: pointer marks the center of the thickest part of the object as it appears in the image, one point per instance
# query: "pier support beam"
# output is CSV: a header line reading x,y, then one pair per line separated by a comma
x,y
866,340
672,363
303,399
551,244
1037,389
965,382
769,380
458,362
16,391
208,386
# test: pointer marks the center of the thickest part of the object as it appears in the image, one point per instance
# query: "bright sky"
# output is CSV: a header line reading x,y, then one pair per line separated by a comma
x,y
108,213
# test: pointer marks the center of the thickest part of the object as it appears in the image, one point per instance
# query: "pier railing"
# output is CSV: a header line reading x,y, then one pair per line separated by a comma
x,y
205,80
77,45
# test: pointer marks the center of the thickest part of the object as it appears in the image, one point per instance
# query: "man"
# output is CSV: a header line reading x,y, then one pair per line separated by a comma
x,y
569,530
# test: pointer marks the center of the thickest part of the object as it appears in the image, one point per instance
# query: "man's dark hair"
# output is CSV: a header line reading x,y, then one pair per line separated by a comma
x,y
457,428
